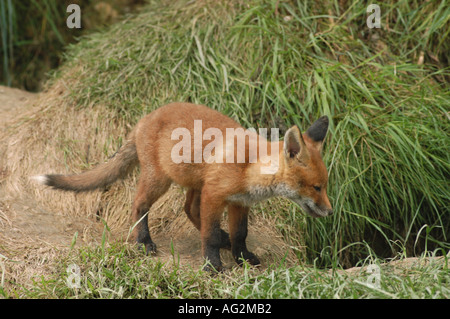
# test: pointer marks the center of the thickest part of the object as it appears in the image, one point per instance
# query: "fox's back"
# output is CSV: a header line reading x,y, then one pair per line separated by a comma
x,y
156,137
176,115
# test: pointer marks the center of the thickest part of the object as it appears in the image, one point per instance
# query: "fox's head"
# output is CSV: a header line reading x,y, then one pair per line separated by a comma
x,y
306,175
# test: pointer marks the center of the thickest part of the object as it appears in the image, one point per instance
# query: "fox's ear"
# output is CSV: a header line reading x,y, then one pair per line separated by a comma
x,y
317,132
294,145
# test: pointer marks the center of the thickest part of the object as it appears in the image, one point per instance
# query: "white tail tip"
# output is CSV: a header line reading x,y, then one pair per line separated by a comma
x,y
41,179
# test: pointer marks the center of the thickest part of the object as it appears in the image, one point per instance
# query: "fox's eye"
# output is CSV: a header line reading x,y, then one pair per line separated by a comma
x,y
317,188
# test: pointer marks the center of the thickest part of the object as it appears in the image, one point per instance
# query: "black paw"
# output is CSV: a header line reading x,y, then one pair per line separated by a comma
x,y
148,248
248,257
211,269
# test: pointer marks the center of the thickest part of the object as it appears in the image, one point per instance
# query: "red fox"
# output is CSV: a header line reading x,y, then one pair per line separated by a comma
x,y
214,183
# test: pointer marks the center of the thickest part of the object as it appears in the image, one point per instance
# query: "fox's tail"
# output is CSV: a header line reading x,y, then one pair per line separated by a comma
x,y
119,166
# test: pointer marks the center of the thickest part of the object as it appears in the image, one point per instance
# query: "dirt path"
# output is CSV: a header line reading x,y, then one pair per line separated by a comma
x,y
12,101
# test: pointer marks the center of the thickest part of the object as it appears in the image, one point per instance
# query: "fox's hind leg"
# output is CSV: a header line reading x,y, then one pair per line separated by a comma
x,y
192,209
149,189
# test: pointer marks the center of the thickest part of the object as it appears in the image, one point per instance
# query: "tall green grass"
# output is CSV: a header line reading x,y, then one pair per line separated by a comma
x,y
33,34
279,63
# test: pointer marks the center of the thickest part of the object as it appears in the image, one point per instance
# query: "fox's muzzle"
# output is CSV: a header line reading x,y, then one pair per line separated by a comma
x,y
313,209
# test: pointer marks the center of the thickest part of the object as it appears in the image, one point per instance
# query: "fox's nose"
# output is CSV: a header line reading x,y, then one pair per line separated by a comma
x,y
330,212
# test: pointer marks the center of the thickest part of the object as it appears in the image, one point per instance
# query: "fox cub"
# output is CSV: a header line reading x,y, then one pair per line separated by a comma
x,y
184,143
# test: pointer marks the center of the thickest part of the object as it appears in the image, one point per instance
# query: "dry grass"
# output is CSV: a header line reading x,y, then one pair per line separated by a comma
x,y
54,137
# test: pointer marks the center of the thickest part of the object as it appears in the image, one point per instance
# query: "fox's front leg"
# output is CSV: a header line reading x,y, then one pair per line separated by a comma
x,y
192,209
238,221
211,211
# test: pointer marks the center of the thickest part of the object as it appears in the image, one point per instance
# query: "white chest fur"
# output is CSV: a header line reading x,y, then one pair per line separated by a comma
x,y
260,193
